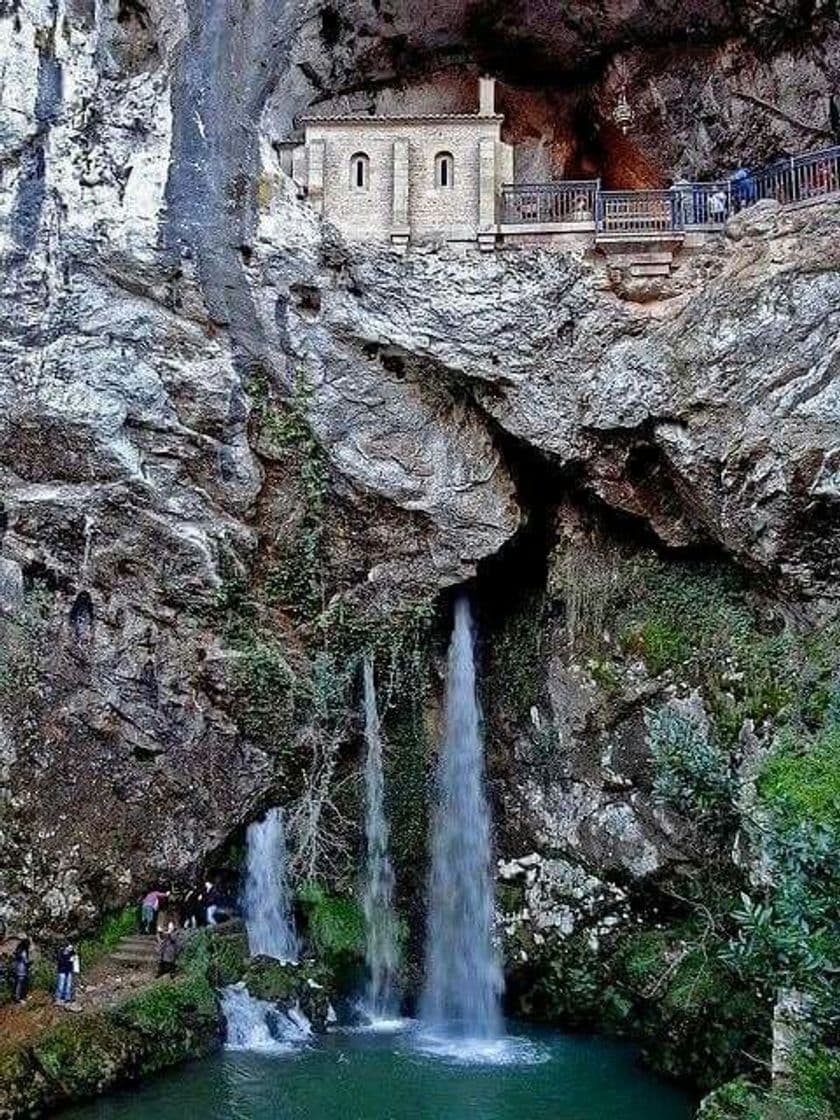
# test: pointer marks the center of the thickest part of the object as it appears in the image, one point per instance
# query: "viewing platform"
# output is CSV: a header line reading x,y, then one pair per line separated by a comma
x,y
583,207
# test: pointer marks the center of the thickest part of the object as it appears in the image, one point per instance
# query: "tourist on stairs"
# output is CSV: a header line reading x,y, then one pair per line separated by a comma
x,y
21,965
167,950
149,910
212,900
67,966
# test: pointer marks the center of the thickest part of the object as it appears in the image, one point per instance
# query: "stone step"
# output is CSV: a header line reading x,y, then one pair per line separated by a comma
x,y
637,269
141,940
665,257
129,960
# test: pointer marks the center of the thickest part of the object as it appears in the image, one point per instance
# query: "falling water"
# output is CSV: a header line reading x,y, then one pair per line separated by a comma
x,y
254,1024
463,979
267,903
382,957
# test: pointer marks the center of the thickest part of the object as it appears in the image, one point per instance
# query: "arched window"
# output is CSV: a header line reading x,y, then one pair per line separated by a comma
x,y
359,172
444,170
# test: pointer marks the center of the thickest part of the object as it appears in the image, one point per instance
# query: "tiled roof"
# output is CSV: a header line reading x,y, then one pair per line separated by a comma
x,y
370,118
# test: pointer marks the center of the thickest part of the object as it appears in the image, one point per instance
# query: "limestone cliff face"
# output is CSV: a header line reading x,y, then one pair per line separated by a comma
x,y
161,282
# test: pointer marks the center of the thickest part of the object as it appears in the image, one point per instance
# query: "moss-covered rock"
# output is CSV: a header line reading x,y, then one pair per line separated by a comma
x,y
307,985
170,1021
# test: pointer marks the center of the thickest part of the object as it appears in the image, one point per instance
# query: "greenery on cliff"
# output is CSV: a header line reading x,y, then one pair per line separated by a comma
x,y
81,1055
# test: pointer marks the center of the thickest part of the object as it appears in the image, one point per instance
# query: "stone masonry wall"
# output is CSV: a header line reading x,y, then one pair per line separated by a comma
x,y
367,215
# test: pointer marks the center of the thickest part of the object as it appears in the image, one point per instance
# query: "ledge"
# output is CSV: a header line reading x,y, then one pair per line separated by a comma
x,y
506,228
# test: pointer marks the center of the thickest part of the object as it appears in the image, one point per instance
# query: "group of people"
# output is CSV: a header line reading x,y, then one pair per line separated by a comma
x,y
200,906
207,905
67,967
778,180
160,916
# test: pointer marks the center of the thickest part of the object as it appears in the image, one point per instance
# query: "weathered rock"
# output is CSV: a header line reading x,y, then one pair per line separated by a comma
x,y
160,273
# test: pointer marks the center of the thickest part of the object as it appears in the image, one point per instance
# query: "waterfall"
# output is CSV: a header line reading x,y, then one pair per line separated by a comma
x,y
381,948
463,978
254,1024
267,902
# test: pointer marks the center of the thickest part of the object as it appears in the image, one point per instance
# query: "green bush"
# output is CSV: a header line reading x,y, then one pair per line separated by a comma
x,y
691,773
83,1054
165,1005
815,1079
266,693
660,642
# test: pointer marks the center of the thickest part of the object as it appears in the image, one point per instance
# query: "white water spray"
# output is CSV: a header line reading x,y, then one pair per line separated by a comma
x,y
267,901
381,949
253,1024
463,985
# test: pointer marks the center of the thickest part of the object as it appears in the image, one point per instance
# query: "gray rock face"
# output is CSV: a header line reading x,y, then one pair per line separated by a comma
x,y
156,264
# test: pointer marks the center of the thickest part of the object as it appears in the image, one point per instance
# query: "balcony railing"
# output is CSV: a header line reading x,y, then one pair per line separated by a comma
x,y
549,203
638,212
685,206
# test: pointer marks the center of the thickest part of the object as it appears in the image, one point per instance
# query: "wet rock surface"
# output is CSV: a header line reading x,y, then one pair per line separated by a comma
x,y
161,277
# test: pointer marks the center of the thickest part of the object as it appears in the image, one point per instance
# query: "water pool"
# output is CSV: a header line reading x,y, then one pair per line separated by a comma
x,y
536,1075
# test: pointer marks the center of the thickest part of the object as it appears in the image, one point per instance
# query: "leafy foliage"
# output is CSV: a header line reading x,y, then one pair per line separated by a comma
x,y
801,780
691,773
267,692
296,582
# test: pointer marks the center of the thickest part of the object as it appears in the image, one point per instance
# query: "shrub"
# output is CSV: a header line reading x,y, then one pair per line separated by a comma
x,y
690,772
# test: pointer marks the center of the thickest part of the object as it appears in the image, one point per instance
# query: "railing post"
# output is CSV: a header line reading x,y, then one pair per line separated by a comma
x,y
794,191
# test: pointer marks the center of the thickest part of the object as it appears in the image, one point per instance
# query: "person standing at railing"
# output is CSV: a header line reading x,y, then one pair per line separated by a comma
x,y
683,203
718,205
834,117
743,189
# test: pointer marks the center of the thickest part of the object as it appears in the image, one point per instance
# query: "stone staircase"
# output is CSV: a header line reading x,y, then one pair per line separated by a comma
x,y
650,264
641,261
138,951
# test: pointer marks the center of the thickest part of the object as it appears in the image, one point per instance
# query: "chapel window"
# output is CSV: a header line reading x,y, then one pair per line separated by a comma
x,y
444,170
359,172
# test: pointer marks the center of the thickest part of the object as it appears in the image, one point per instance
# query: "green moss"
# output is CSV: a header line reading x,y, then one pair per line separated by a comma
x,y
815,1078
801,779
660,642
267,693
606,675
227,958
809,1093
165,1004
335,923
83,1055
281,983
296,580
514,658
736,1100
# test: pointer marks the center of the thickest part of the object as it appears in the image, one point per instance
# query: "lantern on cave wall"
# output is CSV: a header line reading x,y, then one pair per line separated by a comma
x,y
622,113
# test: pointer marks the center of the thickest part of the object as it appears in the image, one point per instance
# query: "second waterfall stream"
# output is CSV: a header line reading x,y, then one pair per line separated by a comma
x,y
382,999
268,899
463,986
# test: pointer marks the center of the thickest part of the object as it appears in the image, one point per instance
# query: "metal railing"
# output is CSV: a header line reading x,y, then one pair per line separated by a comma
x,y
685,206
637,212
551,203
